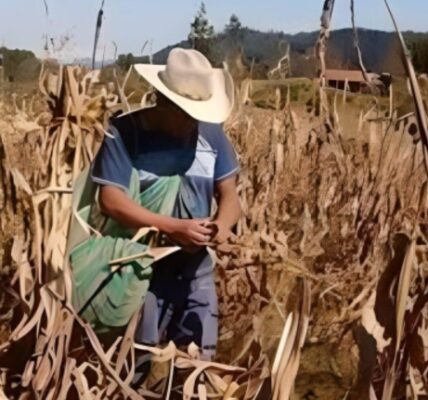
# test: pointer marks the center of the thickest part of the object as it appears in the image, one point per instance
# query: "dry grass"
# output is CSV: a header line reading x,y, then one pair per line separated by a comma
x,y
348,204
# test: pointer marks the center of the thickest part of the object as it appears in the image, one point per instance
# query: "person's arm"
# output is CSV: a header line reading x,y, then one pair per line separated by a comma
x,y
229,208
116,204
112,170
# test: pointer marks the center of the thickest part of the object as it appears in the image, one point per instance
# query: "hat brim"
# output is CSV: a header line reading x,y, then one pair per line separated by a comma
x,y
215,110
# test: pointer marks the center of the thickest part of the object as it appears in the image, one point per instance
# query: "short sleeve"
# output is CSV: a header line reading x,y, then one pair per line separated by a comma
x,y
226,163
112,165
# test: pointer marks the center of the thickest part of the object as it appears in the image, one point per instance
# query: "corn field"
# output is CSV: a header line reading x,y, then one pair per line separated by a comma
x,y
323,292
333,243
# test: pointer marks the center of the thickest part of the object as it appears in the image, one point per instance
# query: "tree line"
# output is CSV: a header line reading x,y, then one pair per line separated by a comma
x,y
418,46
10,60
201,37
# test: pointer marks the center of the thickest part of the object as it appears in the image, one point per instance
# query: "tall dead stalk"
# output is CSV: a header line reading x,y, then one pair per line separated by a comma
x,y
98,26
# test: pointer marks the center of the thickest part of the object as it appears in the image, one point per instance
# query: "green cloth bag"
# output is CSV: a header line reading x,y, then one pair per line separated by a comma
x,y
105,295
121,292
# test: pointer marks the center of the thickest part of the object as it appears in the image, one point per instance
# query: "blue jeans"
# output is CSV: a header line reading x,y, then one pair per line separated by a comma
x,y
181,304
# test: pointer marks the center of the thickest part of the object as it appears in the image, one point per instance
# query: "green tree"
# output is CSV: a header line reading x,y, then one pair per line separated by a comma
x,y
125,61
418,46
234,27
12,59
201,32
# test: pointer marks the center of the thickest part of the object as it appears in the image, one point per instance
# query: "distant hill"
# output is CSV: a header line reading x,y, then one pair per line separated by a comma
x,y
381,51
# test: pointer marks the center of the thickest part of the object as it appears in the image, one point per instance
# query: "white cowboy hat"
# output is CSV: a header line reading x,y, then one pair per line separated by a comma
x,y
189,80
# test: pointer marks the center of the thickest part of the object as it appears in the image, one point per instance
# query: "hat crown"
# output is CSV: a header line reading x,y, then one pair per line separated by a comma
x,y
188,73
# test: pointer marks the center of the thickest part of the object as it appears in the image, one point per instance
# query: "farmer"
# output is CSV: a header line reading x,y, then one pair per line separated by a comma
x,y
179,139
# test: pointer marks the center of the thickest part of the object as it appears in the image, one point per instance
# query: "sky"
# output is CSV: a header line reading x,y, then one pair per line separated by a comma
x,y
24,24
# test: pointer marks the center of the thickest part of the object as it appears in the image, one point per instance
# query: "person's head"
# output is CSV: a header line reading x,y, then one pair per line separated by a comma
x,y
177,117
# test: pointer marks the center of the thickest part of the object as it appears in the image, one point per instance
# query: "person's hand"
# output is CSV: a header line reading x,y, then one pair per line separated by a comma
x,y
191,234
221,233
